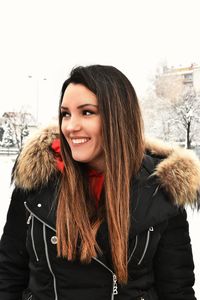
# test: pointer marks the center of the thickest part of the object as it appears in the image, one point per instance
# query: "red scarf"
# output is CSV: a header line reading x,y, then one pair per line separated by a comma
x,y
96,179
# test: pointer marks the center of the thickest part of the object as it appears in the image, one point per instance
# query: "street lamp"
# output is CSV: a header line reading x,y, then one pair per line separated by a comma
x,y
37,95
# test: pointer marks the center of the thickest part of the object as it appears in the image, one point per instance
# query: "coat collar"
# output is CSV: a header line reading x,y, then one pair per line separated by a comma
x,y
177,170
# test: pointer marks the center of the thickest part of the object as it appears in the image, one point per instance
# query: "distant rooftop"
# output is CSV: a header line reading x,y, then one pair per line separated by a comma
x,y
181,69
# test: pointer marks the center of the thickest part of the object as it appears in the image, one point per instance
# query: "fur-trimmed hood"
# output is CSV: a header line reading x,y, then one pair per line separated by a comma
x,y
178,173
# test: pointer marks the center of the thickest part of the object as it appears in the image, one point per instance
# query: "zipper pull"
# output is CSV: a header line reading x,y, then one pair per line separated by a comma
x,y
151,228
115,291
29,219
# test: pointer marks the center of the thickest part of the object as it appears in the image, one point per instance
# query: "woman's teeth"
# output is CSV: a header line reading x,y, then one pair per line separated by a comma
x,y
80,141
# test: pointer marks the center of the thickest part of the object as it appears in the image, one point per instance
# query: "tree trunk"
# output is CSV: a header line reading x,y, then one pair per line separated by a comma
x,y
188,140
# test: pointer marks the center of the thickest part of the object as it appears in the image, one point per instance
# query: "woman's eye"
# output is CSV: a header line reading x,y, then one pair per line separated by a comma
x,y
88,112
65,114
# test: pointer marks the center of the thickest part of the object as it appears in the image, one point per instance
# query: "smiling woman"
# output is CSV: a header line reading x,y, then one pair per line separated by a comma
x,y
100,211
81,125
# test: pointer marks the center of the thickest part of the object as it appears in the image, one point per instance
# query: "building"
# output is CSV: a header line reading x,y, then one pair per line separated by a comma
x,y
189,75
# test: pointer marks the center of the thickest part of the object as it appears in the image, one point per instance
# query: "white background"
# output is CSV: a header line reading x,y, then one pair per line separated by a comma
x,y
46,38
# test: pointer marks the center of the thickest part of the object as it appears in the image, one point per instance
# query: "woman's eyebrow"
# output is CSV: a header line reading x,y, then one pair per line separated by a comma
x,y
87,104
80,106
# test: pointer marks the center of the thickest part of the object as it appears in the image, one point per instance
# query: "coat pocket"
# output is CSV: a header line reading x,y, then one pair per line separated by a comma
x,y
140,247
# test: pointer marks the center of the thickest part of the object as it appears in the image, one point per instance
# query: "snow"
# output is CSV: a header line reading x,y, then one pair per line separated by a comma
x,y
6,164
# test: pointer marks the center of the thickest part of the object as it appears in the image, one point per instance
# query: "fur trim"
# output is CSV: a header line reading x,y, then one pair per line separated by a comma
x,y
158,148
36,162
178,172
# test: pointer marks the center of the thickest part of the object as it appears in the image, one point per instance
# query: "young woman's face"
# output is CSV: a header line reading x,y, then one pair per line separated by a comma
x,y
81,125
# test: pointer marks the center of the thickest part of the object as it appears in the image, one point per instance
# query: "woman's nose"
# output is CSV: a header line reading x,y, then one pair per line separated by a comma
x,y
74,124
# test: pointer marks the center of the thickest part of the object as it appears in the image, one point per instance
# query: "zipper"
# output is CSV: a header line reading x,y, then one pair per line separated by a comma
x,y
35,216
114,286
32,239
48,262
146,245
45,245
29,219
136,241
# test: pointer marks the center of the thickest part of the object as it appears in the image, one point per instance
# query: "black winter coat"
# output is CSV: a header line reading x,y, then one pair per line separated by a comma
x,y
160,262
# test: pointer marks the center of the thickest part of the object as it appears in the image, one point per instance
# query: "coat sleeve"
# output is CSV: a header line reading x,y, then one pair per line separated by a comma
x,y
14,272
174,267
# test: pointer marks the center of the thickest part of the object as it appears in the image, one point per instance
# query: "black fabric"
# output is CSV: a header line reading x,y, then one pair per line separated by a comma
x,y
14,271
160,257
174,262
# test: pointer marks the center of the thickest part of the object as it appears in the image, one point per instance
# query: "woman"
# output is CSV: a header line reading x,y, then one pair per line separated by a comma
x,y
97,213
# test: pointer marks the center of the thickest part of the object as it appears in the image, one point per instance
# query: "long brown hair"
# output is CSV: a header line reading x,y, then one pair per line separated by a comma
x,y
123,146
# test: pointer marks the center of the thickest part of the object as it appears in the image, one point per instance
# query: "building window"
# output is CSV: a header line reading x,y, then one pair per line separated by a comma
x,y
188,76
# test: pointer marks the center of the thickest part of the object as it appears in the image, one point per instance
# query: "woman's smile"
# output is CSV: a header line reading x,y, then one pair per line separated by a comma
x,y
79,141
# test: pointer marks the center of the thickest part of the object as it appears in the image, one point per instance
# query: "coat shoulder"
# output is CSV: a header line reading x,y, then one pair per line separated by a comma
x,y
177,171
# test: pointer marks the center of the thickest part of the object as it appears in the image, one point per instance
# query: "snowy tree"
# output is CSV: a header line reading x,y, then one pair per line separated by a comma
x,y
172,110
24,131
1,133
156,114
19,122
186,116
8,136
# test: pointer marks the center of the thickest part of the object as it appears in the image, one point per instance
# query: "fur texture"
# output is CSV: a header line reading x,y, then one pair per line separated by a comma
x,y
36,162
178,173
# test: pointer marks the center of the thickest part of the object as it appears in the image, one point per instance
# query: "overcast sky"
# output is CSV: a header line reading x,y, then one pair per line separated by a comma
x,y
44,39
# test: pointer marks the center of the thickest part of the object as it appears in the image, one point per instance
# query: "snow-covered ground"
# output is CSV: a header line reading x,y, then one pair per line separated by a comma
x,y
6,163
